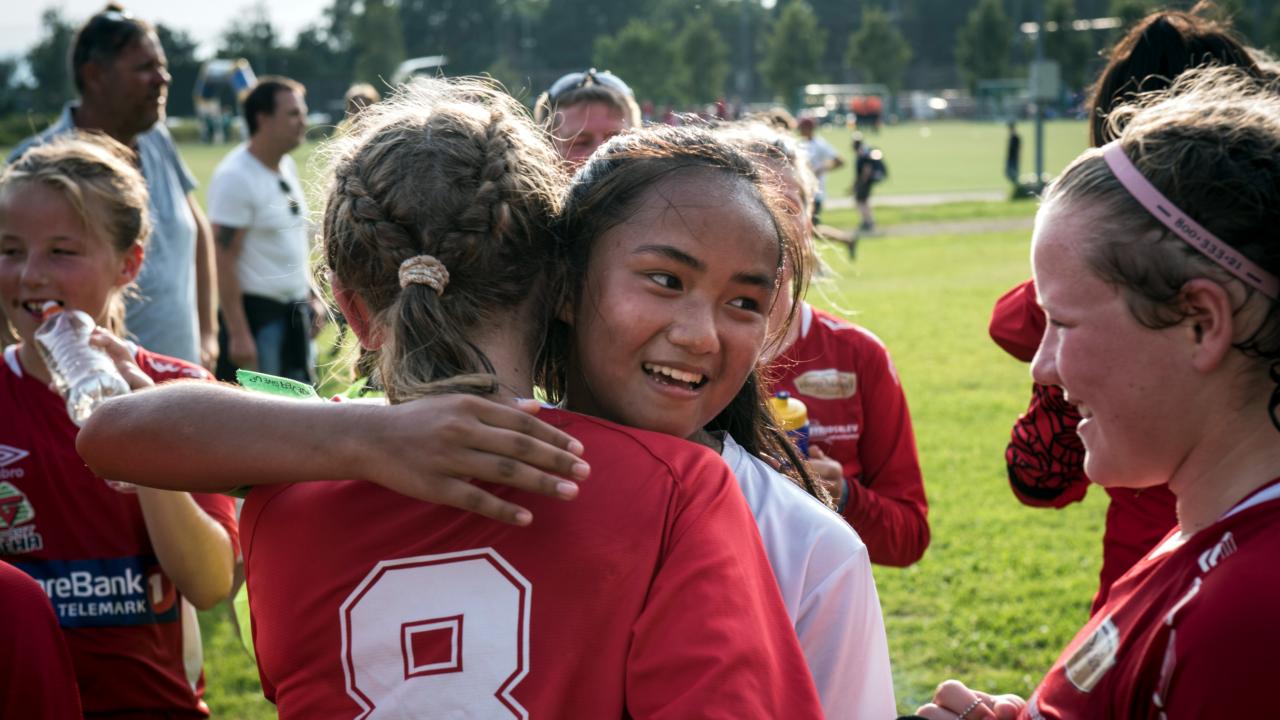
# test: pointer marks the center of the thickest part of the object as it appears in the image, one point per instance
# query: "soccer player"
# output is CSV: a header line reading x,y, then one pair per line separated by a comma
x,y
36,677
647,596
1156,262
123,570
1044,457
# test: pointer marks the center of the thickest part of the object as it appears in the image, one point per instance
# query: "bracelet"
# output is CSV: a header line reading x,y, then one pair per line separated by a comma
x,y
969,709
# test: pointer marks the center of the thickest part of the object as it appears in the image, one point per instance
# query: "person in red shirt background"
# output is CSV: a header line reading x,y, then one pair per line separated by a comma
x,y
1045,459
123,569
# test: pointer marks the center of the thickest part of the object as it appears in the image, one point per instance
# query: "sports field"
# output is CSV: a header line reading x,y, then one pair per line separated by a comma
x,y
1002,587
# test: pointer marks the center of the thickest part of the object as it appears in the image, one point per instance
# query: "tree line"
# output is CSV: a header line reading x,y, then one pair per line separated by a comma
x,y
672,52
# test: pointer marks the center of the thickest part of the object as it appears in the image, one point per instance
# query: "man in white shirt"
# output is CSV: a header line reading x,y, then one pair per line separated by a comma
x,y
822,159
259,215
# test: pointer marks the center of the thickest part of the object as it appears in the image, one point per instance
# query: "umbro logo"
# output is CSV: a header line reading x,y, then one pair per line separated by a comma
x,y
10,455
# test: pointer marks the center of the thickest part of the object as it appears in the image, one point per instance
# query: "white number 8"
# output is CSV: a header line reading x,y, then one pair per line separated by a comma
x,y
403,644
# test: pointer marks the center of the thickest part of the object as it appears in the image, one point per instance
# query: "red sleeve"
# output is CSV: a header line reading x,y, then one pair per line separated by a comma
x,y
888,507
36,676
222,508
1017,322
1222,650
1045,457
714,639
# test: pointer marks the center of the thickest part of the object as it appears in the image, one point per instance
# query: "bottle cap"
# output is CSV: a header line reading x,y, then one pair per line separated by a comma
x,y
49,309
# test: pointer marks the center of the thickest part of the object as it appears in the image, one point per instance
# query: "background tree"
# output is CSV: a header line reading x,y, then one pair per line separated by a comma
x,y
377,42
1070,48
255,39
703,61
1129,12
1271,32
878,50
180,50
793,51
982,43
48,60
641,54
10,93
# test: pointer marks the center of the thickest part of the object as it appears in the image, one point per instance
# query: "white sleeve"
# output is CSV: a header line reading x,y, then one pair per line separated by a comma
x,y
841,630
230,199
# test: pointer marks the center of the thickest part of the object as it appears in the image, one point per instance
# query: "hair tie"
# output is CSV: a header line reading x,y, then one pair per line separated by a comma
x,y
1182,225
424,270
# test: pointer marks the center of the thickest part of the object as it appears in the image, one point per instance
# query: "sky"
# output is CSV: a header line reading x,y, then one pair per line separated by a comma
x,y
204,20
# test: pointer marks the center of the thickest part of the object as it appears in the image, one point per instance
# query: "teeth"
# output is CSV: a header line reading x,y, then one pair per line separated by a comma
x,y
674,374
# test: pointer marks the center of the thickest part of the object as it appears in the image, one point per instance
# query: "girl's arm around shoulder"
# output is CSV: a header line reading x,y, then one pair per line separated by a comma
x,y
206,437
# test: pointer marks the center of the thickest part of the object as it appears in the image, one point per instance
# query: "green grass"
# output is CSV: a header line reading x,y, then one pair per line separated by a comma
x,y
953,155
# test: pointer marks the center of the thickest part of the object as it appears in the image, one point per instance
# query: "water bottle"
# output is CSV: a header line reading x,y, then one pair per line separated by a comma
x,y
793,416
81,373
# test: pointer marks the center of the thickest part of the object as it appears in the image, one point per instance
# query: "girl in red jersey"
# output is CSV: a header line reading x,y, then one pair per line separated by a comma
x,y
438,242
861,442
1157,263
122,569
1044,457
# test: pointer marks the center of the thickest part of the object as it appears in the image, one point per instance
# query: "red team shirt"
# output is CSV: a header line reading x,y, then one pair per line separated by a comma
x,y
1045,458
638,599
36,677
858,416
1189,632
87,546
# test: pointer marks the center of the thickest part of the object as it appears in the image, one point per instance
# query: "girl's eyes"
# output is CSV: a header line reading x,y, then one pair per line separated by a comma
x,y
745,304
666,280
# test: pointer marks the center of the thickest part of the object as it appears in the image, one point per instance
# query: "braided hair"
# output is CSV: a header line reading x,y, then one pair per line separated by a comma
x,y
453,169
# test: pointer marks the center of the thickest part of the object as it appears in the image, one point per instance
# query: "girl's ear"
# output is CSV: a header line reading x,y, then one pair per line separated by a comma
x,y
565,313
1210,322
357,313
132,264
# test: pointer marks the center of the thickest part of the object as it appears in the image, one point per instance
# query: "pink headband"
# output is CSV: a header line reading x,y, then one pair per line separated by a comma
x,y
1183,226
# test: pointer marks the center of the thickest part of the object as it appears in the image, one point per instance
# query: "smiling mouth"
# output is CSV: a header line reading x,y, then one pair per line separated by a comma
x,y
38,307
674,376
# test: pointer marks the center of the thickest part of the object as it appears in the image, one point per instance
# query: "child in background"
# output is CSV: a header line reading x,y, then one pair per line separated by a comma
x,y
122,570
438,241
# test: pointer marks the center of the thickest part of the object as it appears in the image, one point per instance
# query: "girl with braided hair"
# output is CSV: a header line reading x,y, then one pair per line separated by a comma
x,y
1157,262
437,240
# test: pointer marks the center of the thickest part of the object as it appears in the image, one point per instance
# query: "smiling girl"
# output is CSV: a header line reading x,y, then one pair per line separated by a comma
x,y
122,570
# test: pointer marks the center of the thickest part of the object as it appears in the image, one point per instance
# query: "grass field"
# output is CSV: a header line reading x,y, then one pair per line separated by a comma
x,y
1002,587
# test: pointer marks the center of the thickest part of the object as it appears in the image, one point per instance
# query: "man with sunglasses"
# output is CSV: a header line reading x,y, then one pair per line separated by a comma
x,y
122,77
259,216
584,109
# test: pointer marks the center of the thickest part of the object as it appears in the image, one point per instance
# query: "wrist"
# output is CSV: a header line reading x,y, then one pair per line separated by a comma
x,y
843,500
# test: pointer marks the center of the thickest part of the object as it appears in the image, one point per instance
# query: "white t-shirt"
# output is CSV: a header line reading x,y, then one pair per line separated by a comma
x,y
275,260
820,156
824,573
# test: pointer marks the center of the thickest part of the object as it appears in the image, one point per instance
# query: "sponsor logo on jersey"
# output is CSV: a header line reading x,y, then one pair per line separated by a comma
x,y
18,535
169,368
106,591
828,384
830,433
1094,658
8,456
1225,548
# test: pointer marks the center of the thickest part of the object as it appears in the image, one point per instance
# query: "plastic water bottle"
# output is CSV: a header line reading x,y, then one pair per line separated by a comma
x,y
793,416
82,374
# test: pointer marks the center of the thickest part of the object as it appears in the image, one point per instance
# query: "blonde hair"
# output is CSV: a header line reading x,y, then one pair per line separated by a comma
x,y
454,169
1211,144
99,178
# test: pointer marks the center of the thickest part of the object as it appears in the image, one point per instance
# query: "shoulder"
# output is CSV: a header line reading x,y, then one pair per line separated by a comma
x,y
847,333
231,170
641,452
158,137
162,368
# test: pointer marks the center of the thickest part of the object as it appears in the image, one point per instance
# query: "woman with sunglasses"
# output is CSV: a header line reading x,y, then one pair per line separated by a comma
x,y
584,109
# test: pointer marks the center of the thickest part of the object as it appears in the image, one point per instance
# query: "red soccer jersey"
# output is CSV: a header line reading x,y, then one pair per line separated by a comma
x,y
36,677
87,546
1189,632
637,599
858,416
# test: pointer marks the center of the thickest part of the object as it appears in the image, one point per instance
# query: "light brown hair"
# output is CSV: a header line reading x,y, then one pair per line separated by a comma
x,y
99,178
456,170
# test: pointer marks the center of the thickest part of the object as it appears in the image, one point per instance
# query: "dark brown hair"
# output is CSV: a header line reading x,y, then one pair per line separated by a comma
x,y
261,100
1159,48
606,192
103,37
456,170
